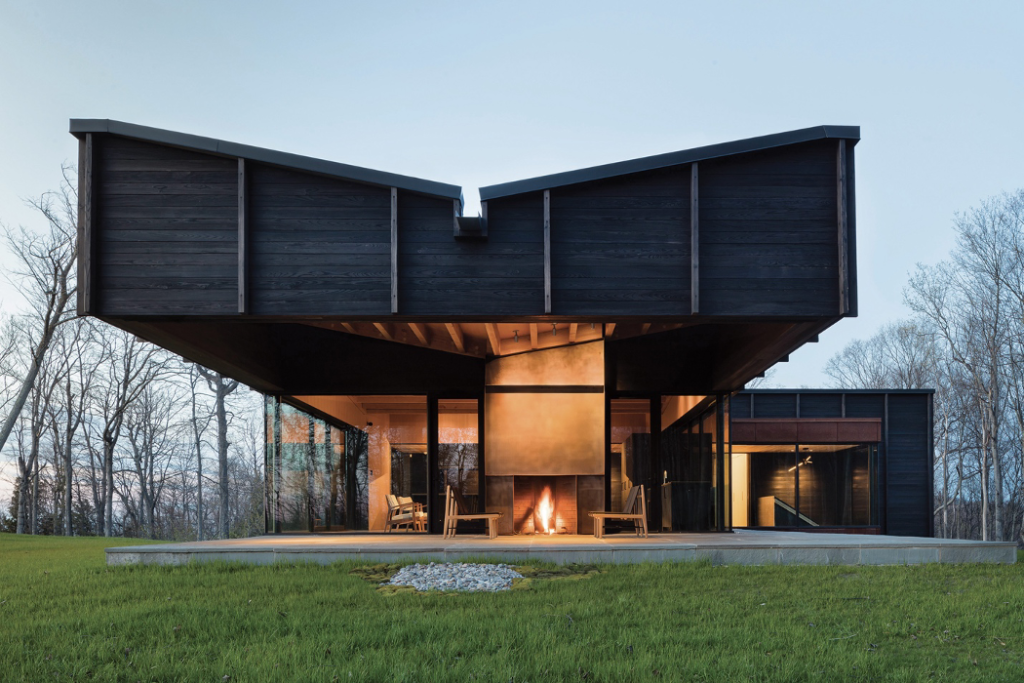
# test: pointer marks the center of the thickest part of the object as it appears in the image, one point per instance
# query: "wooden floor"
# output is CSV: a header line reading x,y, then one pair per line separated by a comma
x,y
740,547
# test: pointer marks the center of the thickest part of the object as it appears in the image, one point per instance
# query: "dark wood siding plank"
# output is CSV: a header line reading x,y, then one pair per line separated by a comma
x,y
155,234
770,218
319,246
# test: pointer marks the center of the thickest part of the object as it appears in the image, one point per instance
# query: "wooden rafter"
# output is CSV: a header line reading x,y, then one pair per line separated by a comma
x,y
421,333
646,328
572,332
456,332
493,338
384,330
533,335
609,329
348,328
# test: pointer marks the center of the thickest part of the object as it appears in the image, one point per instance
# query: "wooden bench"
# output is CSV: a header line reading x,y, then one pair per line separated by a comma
x,y
452,516
634,509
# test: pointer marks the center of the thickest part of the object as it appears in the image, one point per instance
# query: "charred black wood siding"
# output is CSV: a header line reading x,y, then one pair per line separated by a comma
x,y
319,246
904,455
908,466
167,241
166,230
768,237
439,275
622,246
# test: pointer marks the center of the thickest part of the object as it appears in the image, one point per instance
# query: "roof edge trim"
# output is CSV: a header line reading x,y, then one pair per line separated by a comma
x,y
80,127
659,161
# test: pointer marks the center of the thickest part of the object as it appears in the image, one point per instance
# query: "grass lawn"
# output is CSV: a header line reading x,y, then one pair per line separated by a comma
x,y
65,616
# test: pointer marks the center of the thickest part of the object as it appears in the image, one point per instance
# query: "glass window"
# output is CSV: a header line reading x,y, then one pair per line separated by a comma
x,y
688,464
828,485
631,449
458,452
835,485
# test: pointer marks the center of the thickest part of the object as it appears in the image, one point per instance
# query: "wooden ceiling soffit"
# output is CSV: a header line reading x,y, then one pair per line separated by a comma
x,y
773,344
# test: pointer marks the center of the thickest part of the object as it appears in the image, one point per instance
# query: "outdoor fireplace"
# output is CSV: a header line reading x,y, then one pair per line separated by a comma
x,y
544,505
562,501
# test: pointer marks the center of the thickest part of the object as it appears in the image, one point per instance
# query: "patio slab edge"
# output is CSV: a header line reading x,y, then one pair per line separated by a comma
x,y
927,552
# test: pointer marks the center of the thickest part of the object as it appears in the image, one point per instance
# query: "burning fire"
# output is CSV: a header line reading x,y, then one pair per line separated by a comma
x,y
546,511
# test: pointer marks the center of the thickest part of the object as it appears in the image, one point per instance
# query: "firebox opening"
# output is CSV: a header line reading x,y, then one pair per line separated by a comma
x,y
544,505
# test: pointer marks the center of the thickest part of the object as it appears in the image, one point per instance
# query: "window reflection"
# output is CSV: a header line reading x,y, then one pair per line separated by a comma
x,y
825,485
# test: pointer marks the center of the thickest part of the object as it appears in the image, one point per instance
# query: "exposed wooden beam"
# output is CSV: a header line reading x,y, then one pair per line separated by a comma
x,y
645,328
694,241
394,250
456,332
843,235
572,332
533,335
243,240
609,329
349,328
547,252
86,272
492,336
384,330
421,332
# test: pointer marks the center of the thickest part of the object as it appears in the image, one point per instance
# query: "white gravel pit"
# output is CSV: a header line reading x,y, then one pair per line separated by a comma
x,y
456,576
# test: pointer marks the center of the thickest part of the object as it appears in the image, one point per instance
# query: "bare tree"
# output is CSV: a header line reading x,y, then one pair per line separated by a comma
x,y
46,276
221,387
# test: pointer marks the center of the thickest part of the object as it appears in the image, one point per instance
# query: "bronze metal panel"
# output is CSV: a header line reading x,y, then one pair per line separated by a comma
x,y
776,432
859,431
813,432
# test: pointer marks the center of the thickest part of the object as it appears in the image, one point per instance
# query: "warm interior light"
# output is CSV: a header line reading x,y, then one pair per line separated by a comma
x,y
546,510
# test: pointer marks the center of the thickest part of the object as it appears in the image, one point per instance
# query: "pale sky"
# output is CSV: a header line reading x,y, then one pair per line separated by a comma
x,y
480,93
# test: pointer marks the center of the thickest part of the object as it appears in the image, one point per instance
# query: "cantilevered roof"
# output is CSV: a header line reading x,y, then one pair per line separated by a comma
x,y
80,127
657,161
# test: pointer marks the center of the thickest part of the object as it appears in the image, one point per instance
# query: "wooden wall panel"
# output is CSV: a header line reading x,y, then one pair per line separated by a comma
x,y
622,246
167,230
768,232
774,405
319,246
908,466
439,275
821,405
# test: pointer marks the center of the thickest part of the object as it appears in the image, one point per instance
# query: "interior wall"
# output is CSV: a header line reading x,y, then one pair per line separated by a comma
x,y
340,407
379,465
674,407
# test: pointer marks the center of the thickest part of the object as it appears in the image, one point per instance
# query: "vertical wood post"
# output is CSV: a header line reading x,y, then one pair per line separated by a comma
x,y
394,250
85,226
243,239
843,233
547,251
694,242
435,513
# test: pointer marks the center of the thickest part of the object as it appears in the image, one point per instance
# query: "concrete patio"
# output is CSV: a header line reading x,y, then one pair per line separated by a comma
x,y
742,547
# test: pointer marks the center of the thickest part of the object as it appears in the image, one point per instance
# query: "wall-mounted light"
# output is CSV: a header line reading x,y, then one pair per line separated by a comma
x,y
515,336
554,330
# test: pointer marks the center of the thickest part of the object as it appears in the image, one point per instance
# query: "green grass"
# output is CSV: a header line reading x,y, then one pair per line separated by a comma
x,y
65,616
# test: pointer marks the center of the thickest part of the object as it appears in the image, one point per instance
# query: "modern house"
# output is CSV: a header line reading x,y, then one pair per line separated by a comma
x,y
588,331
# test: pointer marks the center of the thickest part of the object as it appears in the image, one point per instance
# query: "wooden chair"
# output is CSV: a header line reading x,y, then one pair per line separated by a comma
x,y
404,512
452,516
634,509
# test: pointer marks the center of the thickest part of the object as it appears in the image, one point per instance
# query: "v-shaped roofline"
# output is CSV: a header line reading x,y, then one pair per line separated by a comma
x,y
80,127
686,156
